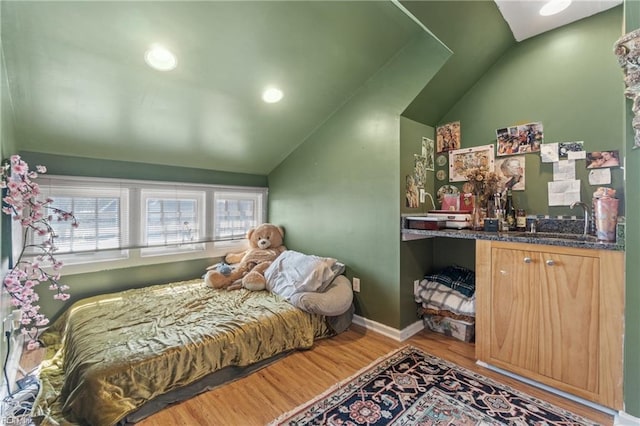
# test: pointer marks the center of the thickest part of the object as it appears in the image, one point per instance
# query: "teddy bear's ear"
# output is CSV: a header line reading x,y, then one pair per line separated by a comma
x,y
281,230
250,233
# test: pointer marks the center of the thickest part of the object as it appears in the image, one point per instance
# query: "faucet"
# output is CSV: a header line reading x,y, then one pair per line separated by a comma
x,y
585,207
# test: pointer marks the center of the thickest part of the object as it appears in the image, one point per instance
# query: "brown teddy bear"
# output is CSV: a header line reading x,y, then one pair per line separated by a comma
x,y
246,269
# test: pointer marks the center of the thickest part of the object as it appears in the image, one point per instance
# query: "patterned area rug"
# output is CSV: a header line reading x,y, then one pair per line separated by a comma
x,y
410,387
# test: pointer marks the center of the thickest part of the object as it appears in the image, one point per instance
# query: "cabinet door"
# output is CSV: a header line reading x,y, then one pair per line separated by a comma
x,y
570,303
515,295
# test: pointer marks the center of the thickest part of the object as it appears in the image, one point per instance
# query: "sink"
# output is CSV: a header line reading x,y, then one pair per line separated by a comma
x,y
555,236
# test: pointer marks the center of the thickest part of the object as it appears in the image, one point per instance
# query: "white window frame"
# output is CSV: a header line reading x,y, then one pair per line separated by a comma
x,y
238,196
174,248
137,191
74,191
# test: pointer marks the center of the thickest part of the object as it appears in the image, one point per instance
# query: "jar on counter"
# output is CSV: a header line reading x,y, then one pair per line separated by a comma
x,y
521,220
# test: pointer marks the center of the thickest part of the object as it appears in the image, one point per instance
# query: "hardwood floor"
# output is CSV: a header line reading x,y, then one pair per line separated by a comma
x,y
282,386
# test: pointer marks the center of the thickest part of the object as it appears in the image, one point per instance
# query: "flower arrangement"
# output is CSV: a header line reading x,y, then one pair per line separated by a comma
x,y
23,202
483,182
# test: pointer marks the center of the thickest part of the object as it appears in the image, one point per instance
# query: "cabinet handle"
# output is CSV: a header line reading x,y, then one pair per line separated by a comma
x,y
550,262
527,260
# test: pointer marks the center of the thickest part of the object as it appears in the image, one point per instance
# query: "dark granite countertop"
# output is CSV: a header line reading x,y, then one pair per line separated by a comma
x,y
547,238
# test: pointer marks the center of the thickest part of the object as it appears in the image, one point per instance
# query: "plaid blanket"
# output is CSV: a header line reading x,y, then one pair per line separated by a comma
x,y
457,278
433,295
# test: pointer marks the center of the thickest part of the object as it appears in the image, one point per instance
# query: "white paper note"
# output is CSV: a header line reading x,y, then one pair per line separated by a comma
x,y
577,155
549,152
564,192
564,170
600,176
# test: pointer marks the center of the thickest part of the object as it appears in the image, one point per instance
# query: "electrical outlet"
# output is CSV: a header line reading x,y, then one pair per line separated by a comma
x,y
416,284
356,284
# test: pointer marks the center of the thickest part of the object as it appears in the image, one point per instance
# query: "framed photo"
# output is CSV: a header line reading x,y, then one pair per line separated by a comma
x,y
419,170
448,137
428,150
602,159
511,172
462,160
522,139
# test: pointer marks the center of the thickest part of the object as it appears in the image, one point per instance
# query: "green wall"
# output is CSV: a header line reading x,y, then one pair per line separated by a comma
x,y
107,281
79,166
337,194
411,134
632,313
569,80
415,259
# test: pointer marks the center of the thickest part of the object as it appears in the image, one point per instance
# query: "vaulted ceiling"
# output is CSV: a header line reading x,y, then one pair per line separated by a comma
x,y
78,83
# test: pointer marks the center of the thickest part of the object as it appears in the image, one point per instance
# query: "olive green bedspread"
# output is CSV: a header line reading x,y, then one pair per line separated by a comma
x,y
109,354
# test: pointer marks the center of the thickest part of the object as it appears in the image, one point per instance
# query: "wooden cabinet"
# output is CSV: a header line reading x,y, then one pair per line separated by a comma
x,y
553,314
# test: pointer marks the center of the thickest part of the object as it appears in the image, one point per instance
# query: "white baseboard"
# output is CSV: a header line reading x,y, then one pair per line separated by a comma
x,y
385,330
624,419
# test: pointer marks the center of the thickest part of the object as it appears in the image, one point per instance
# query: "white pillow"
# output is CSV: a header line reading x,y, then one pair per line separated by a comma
x,y
293,272
334,301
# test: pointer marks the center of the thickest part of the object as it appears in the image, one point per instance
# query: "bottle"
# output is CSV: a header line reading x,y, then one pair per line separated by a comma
x,y
521,220
510,212
491,207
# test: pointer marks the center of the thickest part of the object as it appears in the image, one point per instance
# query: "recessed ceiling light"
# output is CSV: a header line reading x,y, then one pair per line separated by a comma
x,y
272,95
160,58
554,6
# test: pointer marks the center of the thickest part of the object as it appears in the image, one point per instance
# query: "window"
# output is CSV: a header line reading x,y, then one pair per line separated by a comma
x,y
102,212
132,223
172,221
235,214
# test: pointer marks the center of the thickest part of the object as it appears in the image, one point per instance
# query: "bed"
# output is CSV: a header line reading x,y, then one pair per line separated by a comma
x,y
117,358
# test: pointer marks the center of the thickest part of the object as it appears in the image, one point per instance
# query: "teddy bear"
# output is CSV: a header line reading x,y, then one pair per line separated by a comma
x,y
246,269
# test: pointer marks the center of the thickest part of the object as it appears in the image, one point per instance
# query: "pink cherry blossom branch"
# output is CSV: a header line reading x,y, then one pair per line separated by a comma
x,y
23,203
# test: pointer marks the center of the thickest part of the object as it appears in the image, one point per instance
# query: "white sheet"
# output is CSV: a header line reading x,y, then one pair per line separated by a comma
x,y
294,272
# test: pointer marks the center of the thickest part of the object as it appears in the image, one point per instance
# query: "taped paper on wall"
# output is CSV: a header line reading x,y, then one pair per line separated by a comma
x,y
549,152
564,170
576,155
564,192
600,176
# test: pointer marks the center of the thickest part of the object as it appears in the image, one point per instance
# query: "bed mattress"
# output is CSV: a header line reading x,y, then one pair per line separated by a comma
x,y
109,355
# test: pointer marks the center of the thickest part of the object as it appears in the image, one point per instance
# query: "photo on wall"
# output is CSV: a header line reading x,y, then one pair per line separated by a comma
x,y
521,139
570,150
602,159
411,193
419,170
511,172
428,149
448,137
461,160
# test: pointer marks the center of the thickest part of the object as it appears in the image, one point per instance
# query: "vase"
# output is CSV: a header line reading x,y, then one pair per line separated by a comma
x,y
477,216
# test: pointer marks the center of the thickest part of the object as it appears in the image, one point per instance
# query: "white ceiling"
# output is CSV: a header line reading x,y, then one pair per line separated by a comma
x,y
525,21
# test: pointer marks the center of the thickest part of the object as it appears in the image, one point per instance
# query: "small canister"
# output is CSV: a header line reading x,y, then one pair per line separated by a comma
x,y
531,224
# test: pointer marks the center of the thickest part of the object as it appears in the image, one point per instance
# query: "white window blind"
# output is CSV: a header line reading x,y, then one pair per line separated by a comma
x,y
235,214
101,224
103,213
172,220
